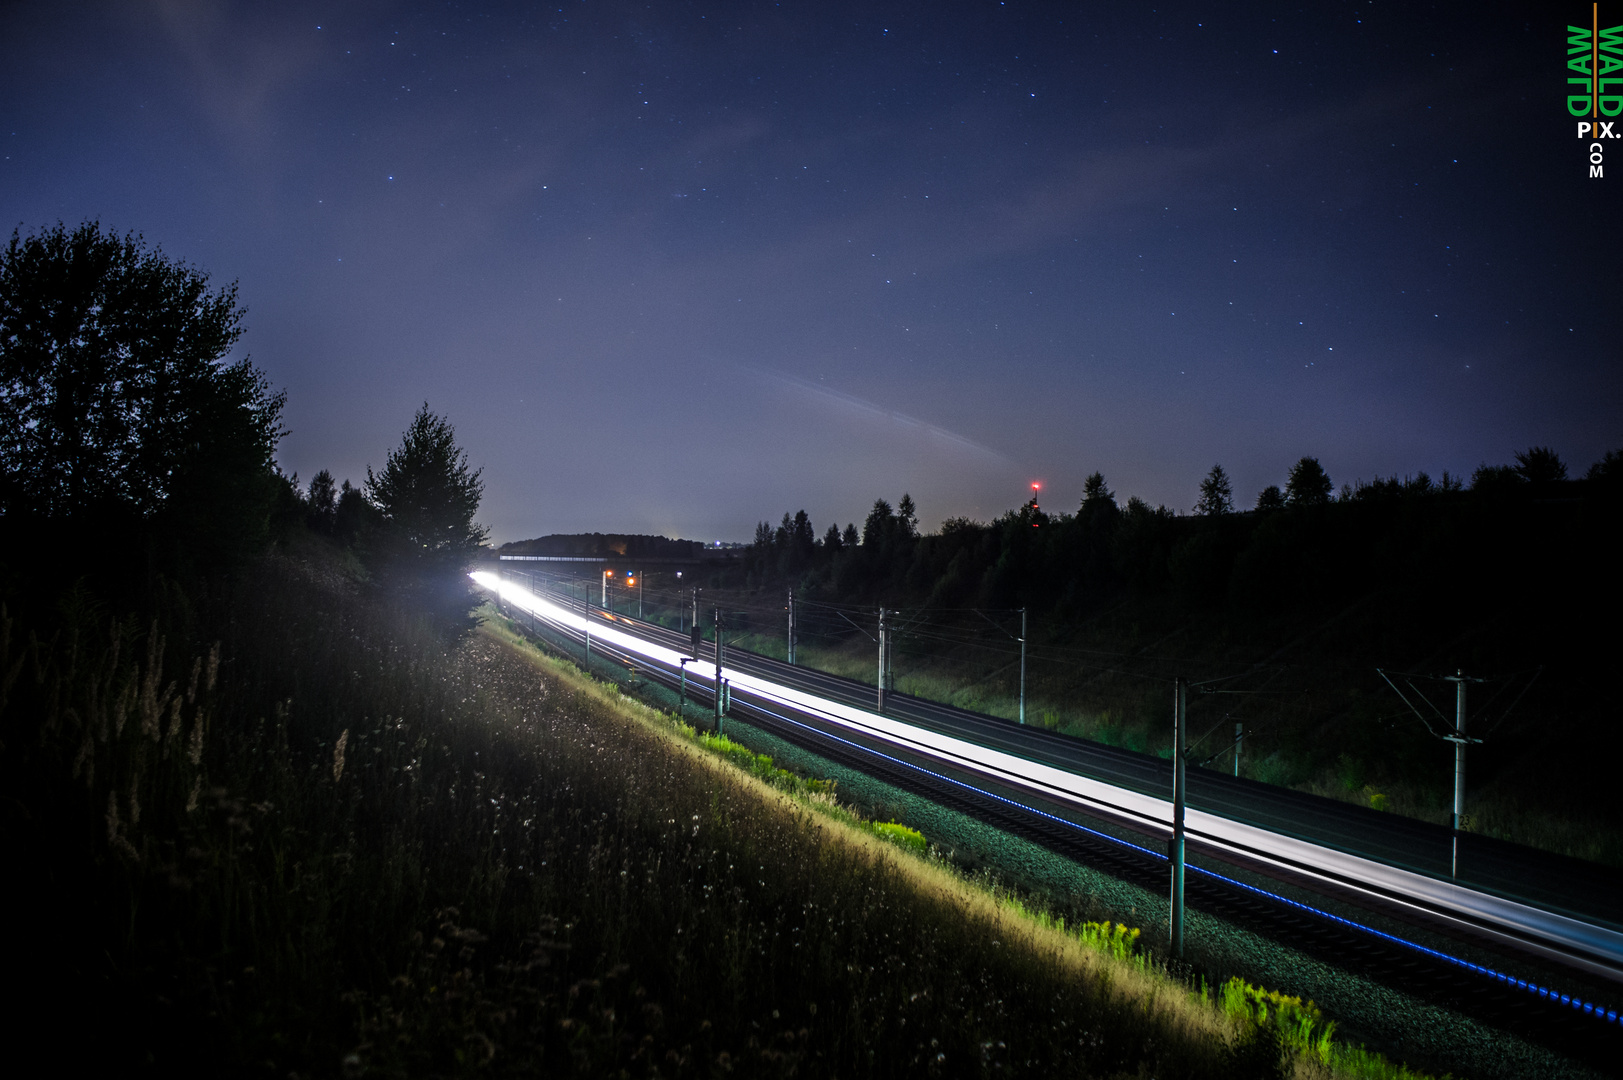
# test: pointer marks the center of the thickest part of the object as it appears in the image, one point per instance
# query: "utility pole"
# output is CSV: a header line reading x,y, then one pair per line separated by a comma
x,y
719,706
639,593
1022,665
1239,740
606,588
791,638
1459,740
1180,728
884,658
682,694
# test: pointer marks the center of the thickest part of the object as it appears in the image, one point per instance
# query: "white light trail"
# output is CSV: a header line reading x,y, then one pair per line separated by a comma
x,y
1298,856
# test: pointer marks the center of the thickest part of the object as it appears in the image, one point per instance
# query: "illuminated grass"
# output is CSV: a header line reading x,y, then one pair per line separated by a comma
x,y
1255,1025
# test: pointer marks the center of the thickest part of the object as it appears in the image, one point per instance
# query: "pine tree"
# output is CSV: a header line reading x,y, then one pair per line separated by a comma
x,y
425,536
1216,494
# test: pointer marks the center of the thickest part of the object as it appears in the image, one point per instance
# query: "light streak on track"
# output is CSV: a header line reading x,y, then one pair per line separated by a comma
x,y
1573,938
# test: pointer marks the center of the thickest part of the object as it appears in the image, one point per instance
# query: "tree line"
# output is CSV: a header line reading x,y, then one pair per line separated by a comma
x,y
131,439
1217,555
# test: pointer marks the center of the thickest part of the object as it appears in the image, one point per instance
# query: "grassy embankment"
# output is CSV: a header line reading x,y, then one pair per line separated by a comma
x,y
337,844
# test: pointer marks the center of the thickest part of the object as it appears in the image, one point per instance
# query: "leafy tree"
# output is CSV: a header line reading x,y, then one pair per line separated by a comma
x,y
1495,478
354,516
117,401
1216,494
425,537
1540,465
1308,484
1270,498
1608,469
322,503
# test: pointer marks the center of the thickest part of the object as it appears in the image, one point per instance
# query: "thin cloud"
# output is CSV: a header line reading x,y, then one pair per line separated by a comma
x,y
852,404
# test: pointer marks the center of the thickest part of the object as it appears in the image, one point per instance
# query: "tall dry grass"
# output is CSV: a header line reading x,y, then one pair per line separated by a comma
x,y
318,838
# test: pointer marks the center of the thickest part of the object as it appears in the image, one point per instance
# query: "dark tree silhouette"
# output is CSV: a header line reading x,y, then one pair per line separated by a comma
x,y
1608,469
802,538
1270,498
1495,478
876,529
117,400
831,540
1308,484
322,503
354,516
907,517
1216,494
1095,495
1540,465
794,541
425,537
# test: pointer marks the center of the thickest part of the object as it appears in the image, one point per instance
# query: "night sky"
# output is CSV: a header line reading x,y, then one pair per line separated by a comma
x,y
675,268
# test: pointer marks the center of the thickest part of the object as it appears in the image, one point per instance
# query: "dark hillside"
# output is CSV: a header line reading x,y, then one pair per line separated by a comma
x,y
1292,610
605,545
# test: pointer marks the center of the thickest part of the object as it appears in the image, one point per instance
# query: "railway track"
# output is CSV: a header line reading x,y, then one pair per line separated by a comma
x,y
1217,883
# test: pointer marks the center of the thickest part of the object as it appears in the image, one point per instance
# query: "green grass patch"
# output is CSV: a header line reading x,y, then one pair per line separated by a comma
x,y
900,835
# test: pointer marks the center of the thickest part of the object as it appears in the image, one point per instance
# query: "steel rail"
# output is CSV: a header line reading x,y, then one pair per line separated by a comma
x,y
1598,949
